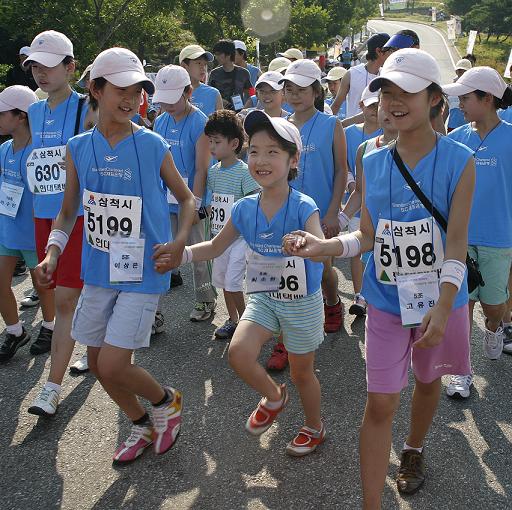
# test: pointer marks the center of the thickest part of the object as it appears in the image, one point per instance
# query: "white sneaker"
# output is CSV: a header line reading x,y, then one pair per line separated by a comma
x,y
45,404
493,343
459,386
79,367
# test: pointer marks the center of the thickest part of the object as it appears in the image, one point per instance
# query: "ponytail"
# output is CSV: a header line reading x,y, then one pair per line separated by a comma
x,y
506,100
499,103
319,95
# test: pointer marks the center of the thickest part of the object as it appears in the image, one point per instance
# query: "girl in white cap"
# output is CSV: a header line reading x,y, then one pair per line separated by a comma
x,y
52,122
284,293
181,124
269,95
115,172
16,220
415,283
323,168
482,91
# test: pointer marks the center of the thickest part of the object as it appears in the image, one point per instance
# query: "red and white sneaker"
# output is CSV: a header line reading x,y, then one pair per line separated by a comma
x,y
334,316
305,441
262,417
167,422
133,447
279,358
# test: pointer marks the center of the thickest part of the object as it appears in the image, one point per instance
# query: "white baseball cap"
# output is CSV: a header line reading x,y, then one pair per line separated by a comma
x,y
193,51
410,69
481,78
49,48
122,68
336,73
271,78
368,97
25,50
279,64
170,83
284,127
81,81
463,64
291,53
302,72
17,96
240,45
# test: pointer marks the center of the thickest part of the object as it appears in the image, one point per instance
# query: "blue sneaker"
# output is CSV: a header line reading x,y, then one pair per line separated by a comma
x,y
226,331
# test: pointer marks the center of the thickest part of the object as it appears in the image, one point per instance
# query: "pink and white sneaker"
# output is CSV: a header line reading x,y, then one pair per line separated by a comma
x,y
133,447
167,422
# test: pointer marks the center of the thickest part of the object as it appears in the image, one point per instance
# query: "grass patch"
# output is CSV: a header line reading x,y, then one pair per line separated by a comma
x,y
488,53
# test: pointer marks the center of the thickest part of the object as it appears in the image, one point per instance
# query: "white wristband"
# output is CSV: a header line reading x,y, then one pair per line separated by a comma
x,y
343,220
453,272
351,246
187,255
58,238
199,202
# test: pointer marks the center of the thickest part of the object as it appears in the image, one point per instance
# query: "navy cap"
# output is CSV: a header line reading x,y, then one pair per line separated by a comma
x,y
400,41
377,41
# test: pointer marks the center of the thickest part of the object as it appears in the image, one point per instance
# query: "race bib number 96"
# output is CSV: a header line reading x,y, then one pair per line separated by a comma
x,y
417,248
106,216
44,172
293,284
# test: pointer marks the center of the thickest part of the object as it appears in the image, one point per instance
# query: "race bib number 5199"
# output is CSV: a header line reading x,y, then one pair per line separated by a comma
x,y
106,216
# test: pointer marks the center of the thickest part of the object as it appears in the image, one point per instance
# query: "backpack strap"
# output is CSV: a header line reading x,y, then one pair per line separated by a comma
x,y
81,101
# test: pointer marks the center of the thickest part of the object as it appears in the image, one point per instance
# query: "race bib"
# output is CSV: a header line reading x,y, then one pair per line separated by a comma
x,y
44,173
10,199
171,199
412,251
106,216
126,260
293,283
263,273
238,104
417,294
220,213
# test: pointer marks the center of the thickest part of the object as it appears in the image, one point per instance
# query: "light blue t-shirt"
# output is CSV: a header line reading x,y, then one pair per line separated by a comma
x,y
456,118
205,97
316,165
49,129
17,233
265,237
342,112
182,137
254,72
131,168
491,215
506,115
387,193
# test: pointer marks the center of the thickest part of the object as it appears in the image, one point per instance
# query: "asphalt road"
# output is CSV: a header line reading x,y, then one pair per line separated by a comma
x,y
65,462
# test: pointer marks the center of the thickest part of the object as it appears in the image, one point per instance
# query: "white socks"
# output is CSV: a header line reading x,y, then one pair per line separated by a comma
x,y
48,325
407,447
15,329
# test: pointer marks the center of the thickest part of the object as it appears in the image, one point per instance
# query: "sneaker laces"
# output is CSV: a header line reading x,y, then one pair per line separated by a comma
x,y
460,380
136,433
160,416
199,307
411,459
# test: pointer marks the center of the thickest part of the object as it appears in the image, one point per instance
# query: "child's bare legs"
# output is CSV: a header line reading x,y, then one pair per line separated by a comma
x,y
46,299
356,268
235,304
375,445
330,284
244,351
122,380
8,307
303,376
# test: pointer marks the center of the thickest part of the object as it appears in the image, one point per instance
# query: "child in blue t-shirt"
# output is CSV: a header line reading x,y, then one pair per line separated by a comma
x,y
116,170
284,292
16,218
228,181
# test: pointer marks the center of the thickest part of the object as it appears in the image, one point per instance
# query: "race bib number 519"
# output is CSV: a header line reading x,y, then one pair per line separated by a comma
x,y
106,216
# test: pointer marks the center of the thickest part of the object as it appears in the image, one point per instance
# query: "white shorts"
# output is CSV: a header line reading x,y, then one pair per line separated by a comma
x,y
109,316
353,224
229,269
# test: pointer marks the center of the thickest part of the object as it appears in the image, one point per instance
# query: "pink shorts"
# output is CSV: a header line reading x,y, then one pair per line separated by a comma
x,y
389,351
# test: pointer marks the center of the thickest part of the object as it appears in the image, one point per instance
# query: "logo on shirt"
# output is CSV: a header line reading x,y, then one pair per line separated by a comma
x,y
49,122
407,187
12,161
109,159
267,235
91,200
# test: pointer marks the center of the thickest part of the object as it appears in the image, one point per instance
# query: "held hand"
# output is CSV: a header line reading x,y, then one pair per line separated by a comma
x,y
302,244
433,327
44,271
330,225
168,256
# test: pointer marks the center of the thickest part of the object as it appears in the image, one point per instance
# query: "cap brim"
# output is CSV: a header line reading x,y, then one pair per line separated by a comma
x,y
280,69
259,117
209,56
273,84
46,59
4,107
405,81
129,78
298,79
167,96
370,100
457,89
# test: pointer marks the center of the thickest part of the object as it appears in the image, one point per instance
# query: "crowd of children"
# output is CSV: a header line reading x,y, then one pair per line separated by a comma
x,y
249,177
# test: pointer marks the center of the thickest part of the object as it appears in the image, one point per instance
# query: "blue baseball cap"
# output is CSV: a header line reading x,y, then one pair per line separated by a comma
x,y
401,41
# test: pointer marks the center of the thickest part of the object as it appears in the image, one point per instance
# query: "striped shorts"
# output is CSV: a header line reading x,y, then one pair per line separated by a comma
x,y
301,321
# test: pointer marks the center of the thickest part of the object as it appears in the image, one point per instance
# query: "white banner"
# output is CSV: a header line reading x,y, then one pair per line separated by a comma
x,y
506,74
257,52
450,28
471,41
458,26
381,7
434,14
397,1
